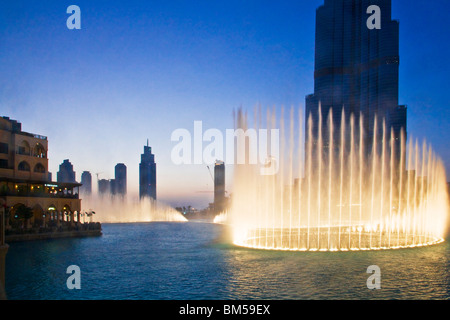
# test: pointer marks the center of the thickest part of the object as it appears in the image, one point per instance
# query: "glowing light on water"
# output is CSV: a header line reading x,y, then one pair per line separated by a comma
x,y
221,218
350,198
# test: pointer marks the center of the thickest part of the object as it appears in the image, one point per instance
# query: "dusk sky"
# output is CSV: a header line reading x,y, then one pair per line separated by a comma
x,y
140,70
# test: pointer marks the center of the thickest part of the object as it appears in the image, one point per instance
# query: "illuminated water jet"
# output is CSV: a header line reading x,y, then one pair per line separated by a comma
x,y
125,210
349,199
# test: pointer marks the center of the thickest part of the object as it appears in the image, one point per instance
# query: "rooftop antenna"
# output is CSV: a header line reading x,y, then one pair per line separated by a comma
x,y
147,142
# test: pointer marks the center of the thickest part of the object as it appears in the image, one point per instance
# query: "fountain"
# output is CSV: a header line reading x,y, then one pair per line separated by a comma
x,y
349,199
128,209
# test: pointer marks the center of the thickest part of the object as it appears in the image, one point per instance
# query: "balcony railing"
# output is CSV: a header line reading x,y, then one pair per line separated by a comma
x,y
23,153
39,195
41,155
37,136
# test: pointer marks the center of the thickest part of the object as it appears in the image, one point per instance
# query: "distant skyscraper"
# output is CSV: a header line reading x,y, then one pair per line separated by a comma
x,y
219,187
86,181
104,187
66,173
147,174
357,69
120,179
112,187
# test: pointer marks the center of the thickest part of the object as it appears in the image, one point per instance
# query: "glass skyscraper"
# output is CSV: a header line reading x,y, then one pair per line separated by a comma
x,y
86,181
147,174
356,69
219,187
120,179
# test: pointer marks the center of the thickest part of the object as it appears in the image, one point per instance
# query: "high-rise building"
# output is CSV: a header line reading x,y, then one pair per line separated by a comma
x,y
120,179
147,174
66,173
356,68
112,187
86,181
104,187
219,186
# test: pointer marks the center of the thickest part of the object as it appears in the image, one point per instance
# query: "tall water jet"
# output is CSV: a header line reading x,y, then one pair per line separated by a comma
x,y
345,196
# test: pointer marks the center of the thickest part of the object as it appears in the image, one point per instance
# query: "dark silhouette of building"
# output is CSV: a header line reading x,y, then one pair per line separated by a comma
x,y
112,187
66,173
104,187
86,181
120,187
219,187
116,186
356,68
147,174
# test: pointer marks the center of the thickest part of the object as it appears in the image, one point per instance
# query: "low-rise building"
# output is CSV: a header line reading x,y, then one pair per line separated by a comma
x,y
24,179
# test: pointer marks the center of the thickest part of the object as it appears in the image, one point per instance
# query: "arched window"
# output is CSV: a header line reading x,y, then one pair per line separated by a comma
x,y
39,151
24,148
24,166
39,168
38,211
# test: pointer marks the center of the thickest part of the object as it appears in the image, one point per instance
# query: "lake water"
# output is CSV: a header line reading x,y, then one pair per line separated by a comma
x,y
195,261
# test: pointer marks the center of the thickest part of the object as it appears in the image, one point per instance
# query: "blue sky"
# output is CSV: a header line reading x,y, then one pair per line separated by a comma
x,y
140,70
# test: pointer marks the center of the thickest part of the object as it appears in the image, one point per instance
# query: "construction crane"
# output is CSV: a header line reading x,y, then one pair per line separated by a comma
x,y
97,174
209,170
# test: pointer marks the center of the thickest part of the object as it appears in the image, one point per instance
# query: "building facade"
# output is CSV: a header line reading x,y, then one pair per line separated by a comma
x,y
66,173
120,171
3,252
104,187
147,174
116,187
219,187
86,181
356,70
24,178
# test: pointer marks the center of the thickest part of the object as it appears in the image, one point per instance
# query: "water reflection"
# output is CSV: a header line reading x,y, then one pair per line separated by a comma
x,y
196,261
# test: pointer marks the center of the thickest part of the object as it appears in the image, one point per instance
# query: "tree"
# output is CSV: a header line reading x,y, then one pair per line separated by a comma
x,y
24,213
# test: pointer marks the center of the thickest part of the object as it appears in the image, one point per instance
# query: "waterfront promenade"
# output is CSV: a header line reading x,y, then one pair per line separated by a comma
x,y
91,229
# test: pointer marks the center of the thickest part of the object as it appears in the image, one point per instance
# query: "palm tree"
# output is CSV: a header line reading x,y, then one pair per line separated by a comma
x,y
90,214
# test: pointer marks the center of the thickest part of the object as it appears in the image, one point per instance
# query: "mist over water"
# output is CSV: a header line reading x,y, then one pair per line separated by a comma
x,y
116,209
